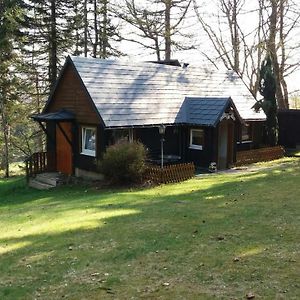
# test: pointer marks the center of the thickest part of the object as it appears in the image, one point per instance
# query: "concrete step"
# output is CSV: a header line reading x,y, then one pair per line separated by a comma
x,y
34,183
48,178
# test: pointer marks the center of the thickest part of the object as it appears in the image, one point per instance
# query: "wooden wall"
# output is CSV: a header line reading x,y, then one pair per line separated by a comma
x,y
258,137
70,94
201,158
150,137
289,128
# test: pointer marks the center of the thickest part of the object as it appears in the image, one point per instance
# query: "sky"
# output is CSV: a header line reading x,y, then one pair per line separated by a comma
x,y
202,44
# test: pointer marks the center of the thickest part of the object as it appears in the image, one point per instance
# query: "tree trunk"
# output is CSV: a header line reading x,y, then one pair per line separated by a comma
x,y
157,50
85,13
5,159
53,46
283,54
236,40
104,37
168,30
96,32
273,52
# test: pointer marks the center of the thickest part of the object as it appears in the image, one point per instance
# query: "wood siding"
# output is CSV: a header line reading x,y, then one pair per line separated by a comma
x,y
201,158
289,128
258,137
70,94
90,163
150,137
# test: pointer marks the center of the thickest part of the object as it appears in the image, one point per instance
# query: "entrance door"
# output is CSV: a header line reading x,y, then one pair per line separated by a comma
x,y
225,144
64,160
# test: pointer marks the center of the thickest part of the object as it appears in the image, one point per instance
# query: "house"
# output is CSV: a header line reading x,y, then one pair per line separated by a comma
x,y
207,113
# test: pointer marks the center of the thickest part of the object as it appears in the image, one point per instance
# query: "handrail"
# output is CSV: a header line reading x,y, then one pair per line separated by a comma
x,y
38,162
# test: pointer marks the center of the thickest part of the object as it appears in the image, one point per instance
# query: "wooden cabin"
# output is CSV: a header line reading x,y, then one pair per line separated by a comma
x,y
207,113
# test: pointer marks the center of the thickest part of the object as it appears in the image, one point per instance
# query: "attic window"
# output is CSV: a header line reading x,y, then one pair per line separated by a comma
x,y
88,135
196,139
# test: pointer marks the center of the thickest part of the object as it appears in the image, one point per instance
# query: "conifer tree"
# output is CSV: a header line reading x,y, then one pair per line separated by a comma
x,y
267,89
11,15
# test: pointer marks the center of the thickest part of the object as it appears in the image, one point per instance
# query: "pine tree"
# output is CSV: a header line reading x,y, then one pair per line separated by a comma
x,y
92,30
11,15
267,89
48,31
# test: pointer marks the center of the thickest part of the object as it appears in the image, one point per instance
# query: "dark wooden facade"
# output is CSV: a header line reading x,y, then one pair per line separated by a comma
x,y
257,137
70,94
289,128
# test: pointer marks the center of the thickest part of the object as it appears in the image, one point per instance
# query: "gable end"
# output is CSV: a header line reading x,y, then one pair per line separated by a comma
x,y
71,94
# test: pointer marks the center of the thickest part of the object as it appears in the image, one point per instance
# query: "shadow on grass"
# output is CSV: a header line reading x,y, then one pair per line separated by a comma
x,y
209,220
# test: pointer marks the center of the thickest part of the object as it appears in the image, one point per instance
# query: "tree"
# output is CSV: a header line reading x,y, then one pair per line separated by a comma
x,y
93,29
241,47
282,18
48,35
267,89
11,14
157,22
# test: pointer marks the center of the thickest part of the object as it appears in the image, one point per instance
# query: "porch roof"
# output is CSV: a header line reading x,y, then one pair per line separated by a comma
x,y
61,115
207,111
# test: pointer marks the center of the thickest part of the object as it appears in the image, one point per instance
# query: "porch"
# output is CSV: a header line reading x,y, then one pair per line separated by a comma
x,y
41,171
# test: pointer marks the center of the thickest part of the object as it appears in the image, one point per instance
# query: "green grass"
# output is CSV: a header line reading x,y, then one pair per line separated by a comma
x,y
218,237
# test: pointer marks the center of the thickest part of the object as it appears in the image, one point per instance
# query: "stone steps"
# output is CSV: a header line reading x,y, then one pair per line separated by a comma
x,y
39,185
45,181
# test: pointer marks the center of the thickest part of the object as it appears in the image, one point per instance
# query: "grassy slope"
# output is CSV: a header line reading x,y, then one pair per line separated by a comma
x,y
169,242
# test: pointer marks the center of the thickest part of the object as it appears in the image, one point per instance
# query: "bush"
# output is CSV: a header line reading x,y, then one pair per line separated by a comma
x,y
124,162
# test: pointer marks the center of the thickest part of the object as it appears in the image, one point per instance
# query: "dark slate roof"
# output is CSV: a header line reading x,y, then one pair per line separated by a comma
x,y
205,111
61,115
135,94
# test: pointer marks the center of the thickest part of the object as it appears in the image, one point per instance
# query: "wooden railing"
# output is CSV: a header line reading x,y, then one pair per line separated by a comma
x,y
257,155
171,173
39,162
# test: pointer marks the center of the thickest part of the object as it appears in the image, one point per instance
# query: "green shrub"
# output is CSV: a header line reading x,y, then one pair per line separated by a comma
x,y
124,162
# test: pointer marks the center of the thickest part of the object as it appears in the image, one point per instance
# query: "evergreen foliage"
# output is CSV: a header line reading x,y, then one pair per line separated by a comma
x,y
267,89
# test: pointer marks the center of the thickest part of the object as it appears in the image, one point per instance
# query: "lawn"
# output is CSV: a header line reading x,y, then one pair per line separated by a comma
x,y
217,237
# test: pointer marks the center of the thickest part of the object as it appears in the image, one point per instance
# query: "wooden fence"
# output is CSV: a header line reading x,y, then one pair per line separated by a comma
x,y
257,155
171,173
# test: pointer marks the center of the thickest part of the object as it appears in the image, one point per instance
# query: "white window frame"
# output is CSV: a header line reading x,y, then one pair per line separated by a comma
x,y
83,137
194,146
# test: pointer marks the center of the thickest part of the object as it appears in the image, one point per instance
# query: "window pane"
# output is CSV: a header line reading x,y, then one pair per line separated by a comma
x,y
197,137
246,132
90,139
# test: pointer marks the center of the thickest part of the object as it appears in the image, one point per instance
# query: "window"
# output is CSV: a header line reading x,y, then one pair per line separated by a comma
x,y
197,139
246,132
88,141
121,135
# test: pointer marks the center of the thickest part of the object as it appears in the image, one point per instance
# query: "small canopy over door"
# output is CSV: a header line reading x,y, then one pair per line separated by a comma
x,y
63,121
